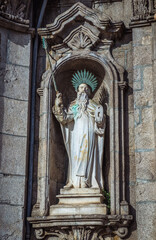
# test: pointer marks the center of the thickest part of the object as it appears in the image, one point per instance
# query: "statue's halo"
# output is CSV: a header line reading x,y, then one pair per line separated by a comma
x,y
86,77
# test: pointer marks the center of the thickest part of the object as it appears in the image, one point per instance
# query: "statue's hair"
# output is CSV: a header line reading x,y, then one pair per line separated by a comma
x,y
84,77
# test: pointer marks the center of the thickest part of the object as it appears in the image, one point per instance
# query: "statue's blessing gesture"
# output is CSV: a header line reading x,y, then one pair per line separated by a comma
x,y
83,127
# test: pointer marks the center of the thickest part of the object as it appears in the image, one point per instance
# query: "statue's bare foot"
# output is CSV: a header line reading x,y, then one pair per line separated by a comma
x,y
69,185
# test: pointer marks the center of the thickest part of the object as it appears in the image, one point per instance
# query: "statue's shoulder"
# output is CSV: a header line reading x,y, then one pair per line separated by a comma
x,y
92,102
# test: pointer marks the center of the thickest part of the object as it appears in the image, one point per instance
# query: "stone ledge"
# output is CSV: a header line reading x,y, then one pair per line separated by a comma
x,y
20,27
135,23
98,225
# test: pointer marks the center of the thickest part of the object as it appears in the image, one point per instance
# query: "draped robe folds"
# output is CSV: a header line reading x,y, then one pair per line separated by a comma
x,y
84,142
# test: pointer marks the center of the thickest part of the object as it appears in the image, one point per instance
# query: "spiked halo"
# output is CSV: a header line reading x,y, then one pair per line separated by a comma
x,y
84,77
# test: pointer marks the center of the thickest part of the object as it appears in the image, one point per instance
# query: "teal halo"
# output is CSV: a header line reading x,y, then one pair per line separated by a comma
x,y
84,77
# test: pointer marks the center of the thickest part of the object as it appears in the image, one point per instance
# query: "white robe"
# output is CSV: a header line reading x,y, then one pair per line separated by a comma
x,y
84,142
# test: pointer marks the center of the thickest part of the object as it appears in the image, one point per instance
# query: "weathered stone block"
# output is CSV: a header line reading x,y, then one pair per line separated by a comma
x,y
114,10
14,81
146,212
144,133
11,222
145,163
3,45
144,94
137,74
13,154
119,56
142,55
10,186
145,191
14,114
142,36
18,48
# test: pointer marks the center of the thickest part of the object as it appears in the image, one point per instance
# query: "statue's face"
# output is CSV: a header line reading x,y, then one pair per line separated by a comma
x,y
84,88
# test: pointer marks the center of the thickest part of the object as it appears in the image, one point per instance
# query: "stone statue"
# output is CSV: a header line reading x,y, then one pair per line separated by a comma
x,y
83,127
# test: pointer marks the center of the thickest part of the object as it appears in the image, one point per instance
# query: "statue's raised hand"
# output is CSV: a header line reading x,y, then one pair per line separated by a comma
x,y
58,100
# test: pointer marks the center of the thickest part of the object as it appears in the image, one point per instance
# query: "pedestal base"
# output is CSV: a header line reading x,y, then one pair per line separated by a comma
x,y
80,215
80,201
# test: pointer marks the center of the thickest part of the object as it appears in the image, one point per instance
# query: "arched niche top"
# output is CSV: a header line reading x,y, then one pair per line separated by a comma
x,y
66,67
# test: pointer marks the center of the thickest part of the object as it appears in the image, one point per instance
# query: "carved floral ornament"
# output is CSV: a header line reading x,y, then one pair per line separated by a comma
x,y
14,10
109,225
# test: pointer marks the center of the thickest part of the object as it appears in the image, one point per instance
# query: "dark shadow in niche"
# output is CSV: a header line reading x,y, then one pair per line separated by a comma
x,y
128,91
106,158
56,7
104,101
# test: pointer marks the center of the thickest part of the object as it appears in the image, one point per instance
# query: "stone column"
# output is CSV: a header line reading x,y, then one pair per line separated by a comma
x,y
143,80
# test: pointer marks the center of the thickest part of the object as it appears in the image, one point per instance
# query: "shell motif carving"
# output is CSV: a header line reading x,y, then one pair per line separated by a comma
x,y
81,41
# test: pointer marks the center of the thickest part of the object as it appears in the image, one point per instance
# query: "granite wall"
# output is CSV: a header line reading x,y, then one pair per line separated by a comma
x,y
15,69
144,129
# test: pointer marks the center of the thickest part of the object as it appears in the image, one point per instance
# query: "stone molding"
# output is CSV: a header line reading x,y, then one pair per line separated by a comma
x,y
79,12
106,1
94,227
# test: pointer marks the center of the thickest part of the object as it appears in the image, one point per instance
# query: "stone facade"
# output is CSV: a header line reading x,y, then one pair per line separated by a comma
x,y
129,42
14,108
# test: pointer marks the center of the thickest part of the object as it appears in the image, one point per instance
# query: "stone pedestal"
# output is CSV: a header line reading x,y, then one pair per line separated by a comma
x,y
83,201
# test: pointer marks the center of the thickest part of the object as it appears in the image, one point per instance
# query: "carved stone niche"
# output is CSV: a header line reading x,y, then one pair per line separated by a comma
x,y
81,38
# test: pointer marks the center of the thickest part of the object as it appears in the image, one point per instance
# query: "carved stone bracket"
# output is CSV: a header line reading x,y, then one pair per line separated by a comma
x,y
93,228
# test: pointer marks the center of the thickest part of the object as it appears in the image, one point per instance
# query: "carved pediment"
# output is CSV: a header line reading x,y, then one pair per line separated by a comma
x,y
79,28
77,12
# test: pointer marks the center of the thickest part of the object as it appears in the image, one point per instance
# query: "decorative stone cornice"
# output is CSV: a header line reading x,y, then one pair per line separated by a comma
x,y
94,227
